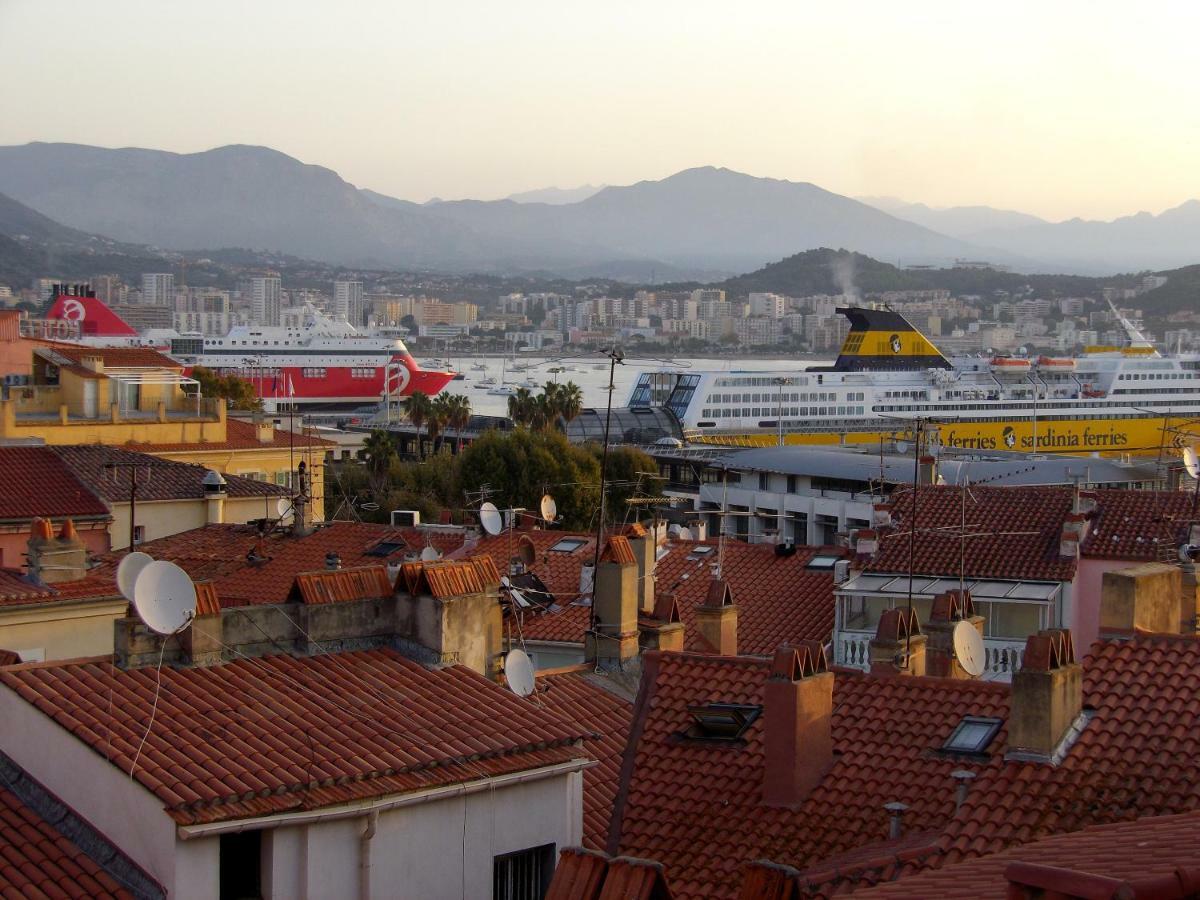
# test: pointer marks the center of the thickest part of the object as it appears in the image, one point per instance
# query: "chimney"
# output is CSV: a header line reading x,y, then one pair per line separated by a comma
x,y
963,779
51,559
716,620
215,494
882,515
898,647
1085,502
797,713
867,542
1189,599
662,630
1047,697
302,518
644,551
927,469
614,606
264,428
1074,530
333,560
948,610
93,362
1142,598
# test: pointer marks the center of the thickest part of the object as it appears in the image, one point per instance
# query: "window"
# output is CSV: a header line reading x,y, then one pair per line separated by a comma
x,y
972,735
387,548
241,865
524,875
567,545
139,533
721,721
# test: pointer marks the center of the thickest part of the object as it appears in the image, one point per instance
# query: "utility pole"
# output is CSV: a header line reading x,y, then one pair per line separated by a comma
x,y
132,466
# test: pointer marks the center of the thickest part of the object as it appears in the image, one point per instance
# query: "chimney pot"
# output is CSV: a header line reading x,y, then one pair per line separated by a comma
x,y
896,811
963,777
333,560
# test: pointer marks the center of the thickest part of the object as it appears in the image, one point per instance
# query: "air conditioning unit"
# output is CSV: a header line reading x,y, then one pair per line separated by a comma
x,y
406,518
841,571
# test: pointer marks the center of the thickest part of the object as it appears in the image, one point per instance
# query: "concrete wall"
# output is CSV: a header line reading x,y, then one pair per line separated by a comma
x,y
162,518
1085,608
60,630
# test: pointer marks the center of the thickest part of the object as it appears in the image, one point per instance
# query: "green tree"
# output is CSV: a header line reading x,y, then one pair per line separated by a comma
x,y
570,401
418,408
460,416
380,453
520,407
238,393
629,473
440,412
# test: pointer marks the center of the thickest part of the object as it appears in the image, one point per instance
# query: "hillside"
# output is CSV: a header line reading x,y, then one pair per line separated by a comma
x,y
964,222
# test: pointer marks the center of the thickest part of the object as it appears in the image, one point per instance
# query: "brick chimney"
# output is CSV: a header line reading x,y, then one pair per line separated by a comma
x,y
866,541
797,716
898,647
1142,598
663,629
948,610
1047,697
881,515
716,620
264,428
302,517
51,559
1074,531
644,551
614,606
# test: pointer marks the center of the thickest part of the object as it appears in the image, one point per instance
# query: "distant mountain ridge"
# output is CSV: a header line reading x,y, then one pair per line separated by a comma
x,y
556,196
963,222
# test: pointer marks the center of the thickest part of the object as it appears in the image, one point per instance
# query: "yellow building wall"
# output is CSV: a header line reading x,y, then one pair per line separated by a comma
x,y
62,630
102,430
270,464
163,518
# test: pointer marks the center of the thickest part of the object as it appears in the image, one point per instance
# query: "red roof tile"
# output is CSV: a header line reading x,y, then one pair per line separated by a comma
x,y
1132,524
579,875
207,603
36,860
38,483
1014,533
594,703
239,435
617,550
450,578
342,585
260,736
115,357
586,875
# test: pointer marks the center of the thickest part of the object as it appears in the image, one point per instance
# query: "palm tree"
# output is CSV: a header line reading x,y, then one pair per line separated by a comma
x,y
520,407
380,452
542,413
439,416
418,407
460,416
570,401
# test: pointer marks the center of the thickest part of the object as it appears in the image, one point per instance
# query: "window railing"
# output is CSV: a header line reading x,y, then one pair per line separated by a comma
x,y
1002,656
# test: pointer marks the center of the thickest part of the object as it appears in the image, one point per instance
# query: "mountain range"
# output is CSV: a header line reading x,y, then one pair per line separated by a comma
x,y
703,223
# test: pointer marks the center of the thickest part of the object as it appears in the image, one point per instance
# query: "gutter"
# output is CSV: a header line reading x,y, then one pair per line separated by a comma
x,y
371,807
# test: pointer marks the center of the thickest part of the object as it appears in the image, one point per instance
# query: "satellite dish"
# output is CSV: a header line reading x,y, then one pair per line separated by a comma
x,y
1191,462
129,570
490,519
429,554
526,550
518,670
283,506
549,508
901,447
164,597
685,534
968,648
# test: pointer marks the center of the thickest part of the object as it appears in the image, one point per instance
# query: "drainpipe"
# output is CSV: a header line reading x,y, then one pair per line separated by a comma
x,y
370,823
896,812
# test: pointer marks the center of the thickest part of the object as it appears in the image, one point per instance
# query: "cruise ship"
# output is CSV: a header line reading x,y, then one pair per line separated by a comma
x,y
888,377
321,363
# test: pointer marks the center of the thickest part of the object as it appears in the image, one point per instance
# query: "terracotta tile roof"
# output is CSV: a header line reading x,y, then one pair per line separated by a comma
x,y
15,590
1128,851
341,585
239,435
117,357
218,554
1131,524
450,578
558,570
696,809
207,603
38,483
254,737
617,550
36,860
587,875
1015,533
595,703
9,657
168,480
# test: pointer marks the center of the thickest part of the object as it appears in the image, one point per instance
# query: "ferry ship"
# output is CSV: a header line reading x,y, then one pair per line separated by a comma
x,y
322,363
888,377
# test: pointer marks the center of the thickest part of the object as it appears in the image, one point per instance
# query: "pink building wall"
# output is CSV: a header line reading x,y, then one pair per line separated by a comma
x,y
14,540
1085,598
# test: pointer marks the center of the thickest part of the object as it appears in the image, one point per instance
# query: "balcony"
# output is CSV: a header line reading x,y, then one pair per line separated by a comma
x,y
1002,656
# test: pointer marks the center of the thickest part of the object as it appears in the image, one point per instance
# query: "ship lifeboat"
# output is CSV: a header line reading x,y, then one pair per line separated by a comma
x,y
1056,364
1011,365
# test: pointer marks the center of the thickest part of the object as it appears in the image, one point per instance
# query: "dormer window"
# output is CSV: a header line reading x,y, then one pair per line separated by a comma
x,y
721,721
972,735
567,545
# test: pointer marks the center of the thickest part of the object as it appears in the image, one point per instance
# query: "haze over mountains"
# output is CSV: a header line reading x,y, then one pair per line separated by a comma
x,y
698,223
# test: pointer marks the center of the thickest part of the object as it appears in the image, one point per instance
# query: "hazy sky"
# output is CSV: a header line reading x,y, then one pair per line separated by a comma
x,y
1056,108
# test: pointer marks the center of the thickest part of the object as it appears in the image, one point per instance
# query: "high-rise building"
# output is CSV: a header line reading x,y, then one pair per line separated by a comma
x,y
158,289
265,300
348,302
109,289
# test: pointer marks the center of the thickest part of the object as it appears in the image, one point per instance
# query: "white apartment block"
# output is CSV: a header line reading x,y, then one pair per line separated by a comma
x,y
348,302
771,305
158,289
265,300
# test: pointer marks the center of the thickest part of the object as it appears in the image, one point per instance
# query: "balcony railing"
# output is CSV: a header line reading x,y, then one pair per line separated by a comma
x,y
1002,656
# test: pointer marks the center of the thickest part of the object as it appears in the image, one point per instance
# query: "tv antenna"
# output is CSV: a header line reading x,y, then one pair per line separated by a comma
x,y
139,470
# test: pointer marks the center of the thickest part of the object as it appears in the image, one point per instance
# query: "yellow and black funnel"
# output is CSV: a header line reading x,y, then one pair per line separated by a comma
x,y
883,340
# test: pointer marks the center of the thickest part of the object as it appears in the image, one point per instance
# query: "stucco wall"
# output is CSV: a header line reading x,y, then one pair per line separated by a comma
x,y
14,541
1085,613
61,630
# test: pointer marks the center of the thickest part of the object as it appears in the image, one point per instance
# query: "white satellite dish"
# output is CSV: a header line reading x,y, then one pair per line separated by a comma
x,y
129,570
490,519
283,506
1191,462
968,648
518,670
901,448
164,597
430,555
685,534
549,508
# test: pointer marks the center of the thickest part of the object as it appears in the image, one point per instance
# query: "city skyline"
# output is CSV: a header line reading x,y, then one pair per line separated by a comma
x,y
1073,111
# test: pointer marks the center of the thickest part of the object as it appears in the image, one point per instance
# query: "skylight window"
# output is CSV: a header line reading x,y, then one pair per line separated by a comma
x,y
823,562
721,721
567,545
701,551
387,548
972,735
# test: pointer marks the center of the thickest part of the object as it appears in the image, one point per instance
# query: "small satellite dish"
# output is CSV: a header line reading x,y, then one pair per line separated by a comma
x,y
968,648
549,508
518,670
164,597
429,554
526,550
1191,462
901,447
283,506
685,534
129,570
490,519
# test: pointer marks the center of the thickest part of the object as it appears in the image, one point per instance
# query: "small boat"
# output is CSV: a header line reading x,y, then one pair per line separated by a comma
x,y
479,367
1056,364
1011,365
459,376
487,382
503,391
530,383
433,364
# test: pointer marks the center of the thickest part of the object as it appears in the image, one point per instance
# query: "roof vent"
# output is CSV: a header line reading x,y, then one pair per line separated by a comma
x,y
896,811
213,482
333,560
